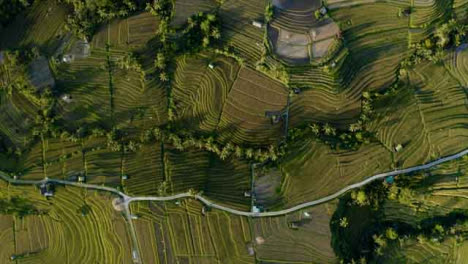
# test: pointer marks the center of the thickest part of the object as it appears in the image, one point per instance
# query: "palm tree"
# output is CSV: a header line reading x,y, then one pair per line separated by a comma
x,y
215,33
238,151
249,153
160,61
163,77
355,127
329,130
315,129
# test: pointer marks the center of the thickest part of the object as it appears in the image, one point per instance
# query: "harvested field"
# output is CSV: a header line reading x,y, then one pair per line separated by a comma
x,y
297,4
309,242
40,75
324,30
295,28
244,115
321,48
267,187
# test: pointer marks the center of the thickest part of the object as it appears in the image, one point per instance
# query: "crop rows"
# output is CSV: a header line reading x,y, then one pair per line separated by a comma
x,y
41,26
238,31
185,9
200,92
132,32
311,242
313,170
64,234
243,118
182,234
223,181
428,11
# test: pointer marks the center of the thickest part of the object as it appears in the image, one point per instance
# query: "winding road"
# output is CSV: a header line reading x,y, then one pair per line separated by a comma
x,y
126,199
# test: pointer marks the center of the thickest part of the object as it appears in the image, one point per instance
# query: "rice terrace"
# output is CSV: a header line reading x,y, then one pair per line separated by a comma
x,y
233,131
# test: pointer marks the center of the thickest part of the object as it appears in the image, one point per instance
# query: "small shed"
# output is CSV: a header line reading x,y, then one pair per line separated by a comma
x,y
255,209
257,24
125,177
211,66
293,225
66,98
297,90
398,148
323,10
134,217
81,178
68,58
247,194
47,189
390,179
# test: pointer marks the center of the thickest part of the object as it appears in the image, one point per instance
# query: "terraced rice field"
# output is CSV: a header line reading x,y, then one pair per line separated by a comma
x,y
199,92
145,170
17,118
437,192
428,11
129,33
182,234
42,26
244,114
223,181
460,8
427,123
310,242
313,170
63,234
237,28
186,9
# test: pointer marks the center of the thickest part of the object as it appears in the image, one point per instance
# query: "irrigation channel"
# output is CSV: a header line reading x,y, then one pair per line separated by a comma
x,y
126,199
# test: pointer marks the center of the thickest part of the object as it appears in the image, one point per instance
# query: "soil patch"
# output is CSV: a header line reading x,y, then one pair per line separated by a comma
x,y
321,48
297,4
39,73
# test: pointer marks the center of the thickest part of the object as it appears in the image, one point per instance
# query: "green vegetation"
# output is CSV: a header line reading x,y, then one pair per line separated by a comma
x,y
160,97
392,222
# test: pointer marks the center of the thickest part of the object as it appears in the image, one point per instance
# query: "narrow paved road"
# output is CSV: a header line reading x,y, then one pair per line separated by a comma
x,y
128,199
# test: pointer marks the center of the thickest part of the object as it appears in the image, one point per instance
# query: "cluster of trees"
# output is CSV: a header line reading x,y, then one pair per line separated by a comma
x,y
130,62
87,15
335,138
118,140
13,72
9,9
269,12
17,206
362,234
450,34
187,140
357,133
202,31
161,8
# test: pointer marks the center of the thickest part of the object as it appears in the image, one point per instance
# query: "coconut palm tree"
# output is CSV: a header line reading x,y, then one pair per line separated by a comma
x,y
329,130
